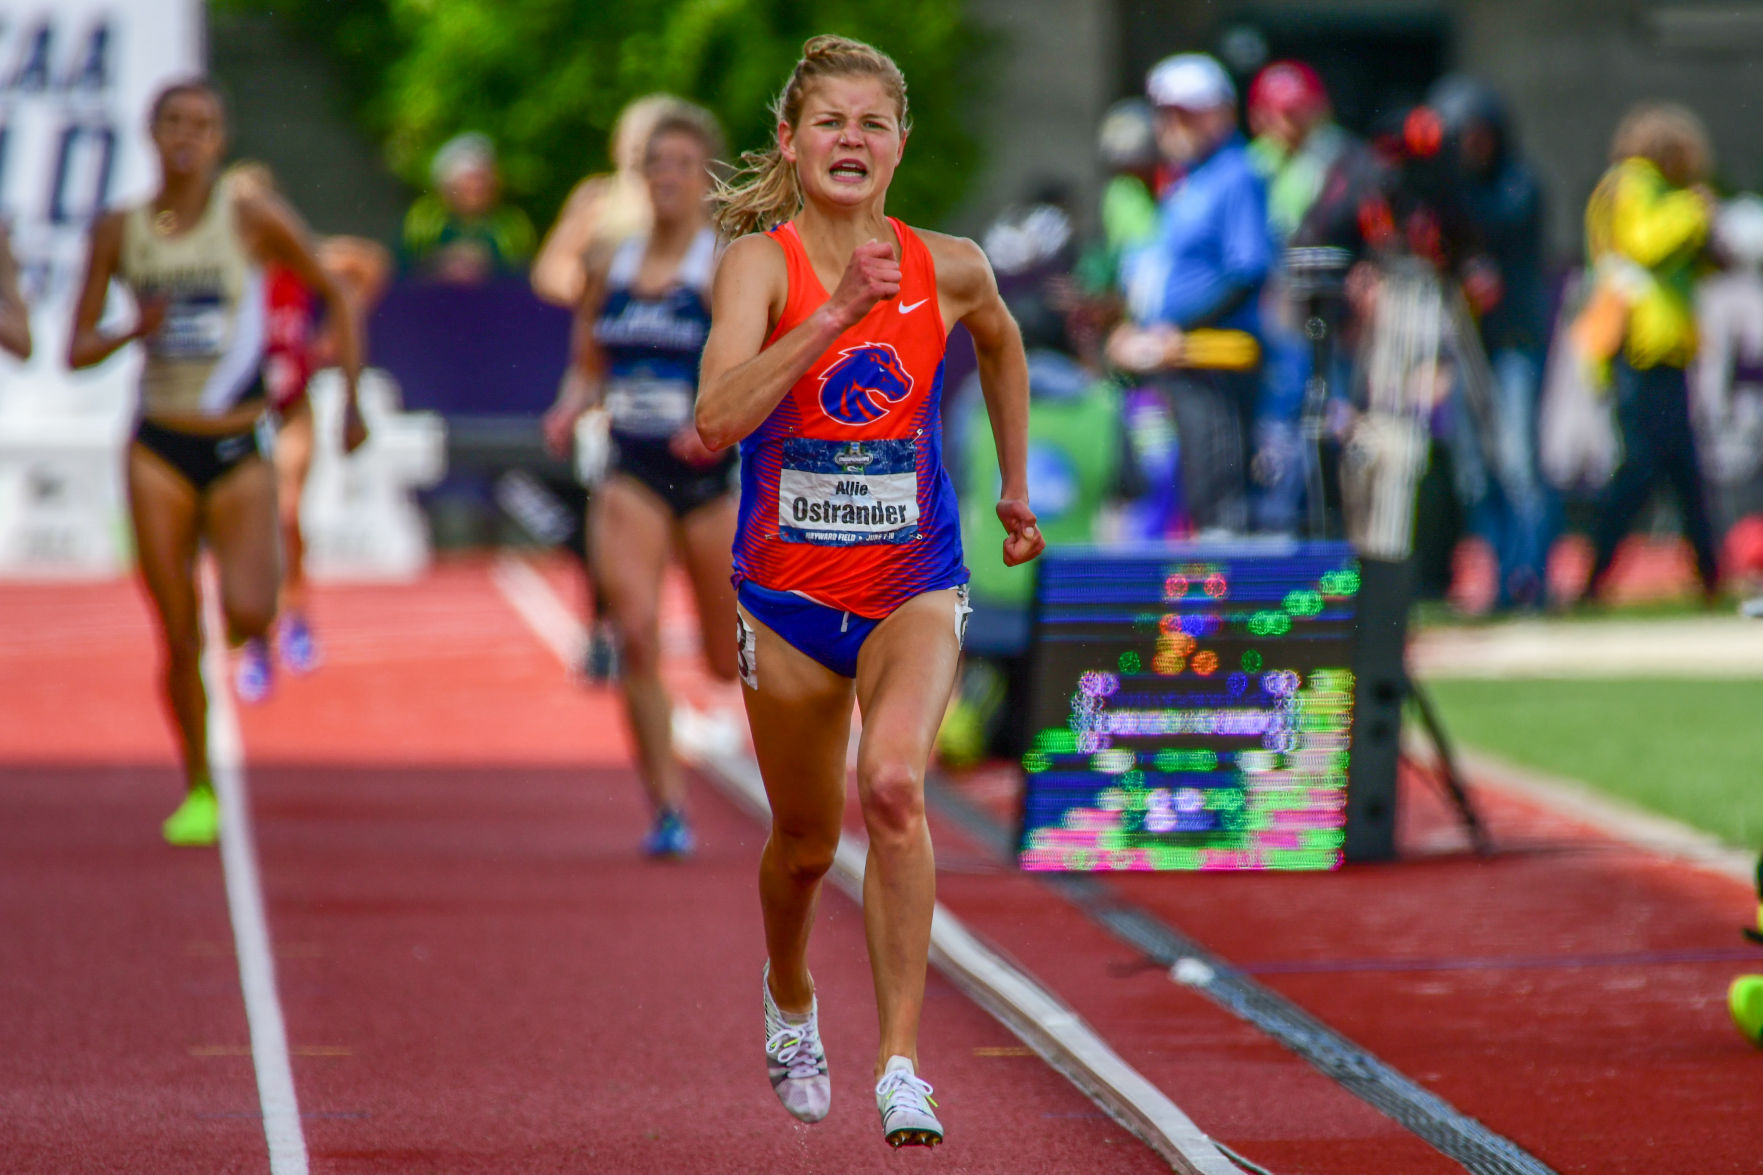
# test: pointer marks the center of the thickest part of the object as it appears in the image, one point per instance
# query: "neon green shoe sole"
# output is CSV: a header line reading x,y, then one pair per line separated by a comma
x,y
196,823
1744,999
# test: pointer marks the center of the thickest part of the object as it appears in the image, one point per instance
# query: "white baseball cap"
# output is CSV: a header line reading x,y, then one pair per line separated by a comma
x,y
1192,81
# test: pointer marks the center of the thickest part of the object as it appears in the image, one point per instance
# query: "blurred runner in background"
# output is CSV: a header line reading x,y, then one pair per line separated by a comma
x,y
640,329
193,255
297,345
848,559
15,316
602,211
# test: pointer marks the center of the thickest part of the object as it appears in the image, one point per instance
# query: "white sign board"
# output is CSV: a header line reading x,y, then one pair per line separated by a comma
x,y
77,78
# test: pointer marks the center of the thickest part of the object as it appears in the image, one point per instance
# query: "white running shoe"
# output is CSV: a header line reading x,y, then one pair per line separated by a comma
x,y
904,1099
795,1059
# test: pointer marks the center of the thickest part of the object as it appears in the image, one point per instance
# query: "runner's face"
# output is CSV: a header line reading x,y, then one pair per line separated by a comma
x,y
847,141
678,179
189,134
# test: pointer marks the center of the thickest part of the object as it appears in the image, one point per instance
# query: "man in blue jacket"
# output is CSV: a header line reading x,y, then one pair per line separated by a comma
x,y
1193,290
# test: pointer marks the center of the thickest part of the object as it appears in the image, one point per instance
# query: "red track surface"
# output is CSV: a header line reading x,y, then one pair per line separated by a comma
x,y
478,973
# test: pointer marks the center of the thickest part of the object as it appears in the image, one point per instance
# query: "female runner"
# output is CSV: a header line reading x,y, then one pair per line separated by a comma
x,y
848,561
640,329
296,346
193,255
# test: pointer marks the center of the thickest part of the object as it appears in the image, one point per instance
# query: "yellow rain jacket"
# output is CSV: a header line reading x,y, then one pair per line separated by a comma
x,y
1644,238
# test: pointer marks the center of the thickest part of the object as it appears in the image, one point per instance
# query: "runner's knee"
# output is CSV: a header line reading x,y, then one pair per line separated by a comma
x,y
639,642
893,802
248,618
183,648
804,856
288,507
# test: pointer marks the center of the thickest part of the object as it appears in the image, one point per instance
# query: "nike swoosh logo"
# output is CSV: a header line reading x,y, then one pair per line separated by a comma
x,y
909,307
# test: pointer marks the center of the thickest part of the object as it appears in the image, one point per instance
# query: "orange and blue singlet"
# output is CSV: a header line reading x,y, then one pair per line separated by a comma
x,y
844,499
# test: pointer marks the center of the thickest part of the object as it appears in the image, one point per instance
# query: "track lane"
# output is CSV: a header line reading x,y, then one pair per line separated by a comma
x,y
124,1035
501,983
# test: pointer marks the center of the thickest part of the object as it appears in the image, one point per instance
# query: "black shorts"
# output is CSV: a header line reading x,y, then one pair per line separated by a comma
x,y
683,487
201,460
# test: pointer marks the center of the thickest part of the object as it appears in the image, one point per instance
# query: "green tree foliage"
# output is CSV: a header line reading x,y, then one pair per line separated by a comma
x,y
547,78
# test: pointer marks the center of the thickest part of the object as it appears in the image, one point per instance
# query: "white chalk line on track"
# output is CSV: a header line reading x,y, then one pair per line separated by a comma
x,y
1034,1015
1615,818
244,891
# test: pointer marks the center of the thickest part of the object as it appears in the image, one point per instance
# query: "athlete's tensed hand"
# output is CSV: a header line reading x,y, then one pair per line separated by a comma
x,y
558,427
152,317
872,275
689,447
1024,541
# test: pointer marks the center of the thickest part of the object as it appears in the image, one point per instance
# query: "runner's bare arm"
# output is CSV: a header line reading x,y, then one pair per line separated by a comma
x,y
582,383
15,316
87,345
968,292
559,268
276,233
741,379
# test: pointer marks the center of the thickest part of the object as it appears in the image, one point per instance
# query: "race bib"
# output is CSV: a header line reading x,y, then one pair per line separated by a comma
x,y
847,493
646,407
195,326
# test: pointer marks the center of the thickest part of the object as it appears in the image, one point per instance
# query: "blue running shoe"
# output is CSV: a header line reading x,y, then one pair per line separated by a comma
x,y
251,676
295,643
671,836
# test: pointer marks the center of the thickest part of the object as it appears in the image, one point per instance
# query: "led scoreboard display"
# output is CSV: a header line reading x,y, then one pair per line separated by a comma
x,y
1191,708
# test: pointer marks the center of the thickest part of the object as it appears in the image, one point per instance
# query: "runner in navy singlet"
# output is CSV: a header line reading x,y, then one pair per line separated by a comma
x,y
640,329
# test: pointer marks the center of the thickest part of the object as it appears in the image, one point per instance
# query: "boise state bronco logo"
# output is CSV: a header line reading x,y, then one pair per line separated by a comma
x,y
854,388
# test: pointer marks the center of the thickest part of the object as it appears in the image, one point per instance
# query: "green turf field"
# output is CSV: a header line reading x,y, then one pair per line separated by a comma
x,y
1691,750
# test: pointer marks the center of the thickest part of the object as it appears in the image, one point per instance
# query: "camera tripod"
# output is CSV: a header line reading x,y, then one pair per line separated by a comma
x,y
1419,324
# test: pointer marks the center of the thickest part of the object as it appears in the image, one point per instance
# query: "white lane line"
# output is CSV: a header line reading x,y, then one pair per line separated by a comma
x,y
1034,1015
532,598
238,856
1615,818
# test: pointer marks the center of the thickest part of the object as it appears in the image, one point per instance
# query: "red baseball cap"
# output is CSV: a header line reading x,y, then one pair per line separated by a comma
x,y
1288,87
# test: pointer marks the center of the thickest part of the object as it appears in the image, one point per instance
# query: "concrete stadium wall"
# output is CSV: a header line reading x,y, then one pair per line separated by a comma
x,y
286,112
1053,65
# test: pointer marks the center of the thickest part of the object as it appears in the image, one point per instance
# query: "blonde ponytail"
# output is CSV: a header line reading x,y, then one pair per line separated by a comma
x,y
765,191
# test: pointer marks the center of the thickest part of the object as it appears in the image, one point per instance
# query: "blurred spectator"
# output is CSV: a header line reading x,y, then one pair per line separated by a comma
x,y
1193,289
461,231
1503,200
1296,144
1126,142
1727,377
1647,225
602,210
1296,140
1422,437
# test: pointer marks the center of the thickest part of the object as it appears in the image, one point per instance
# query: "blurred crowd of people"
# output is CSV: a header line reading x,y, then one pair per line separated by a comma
x,y
1303,331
